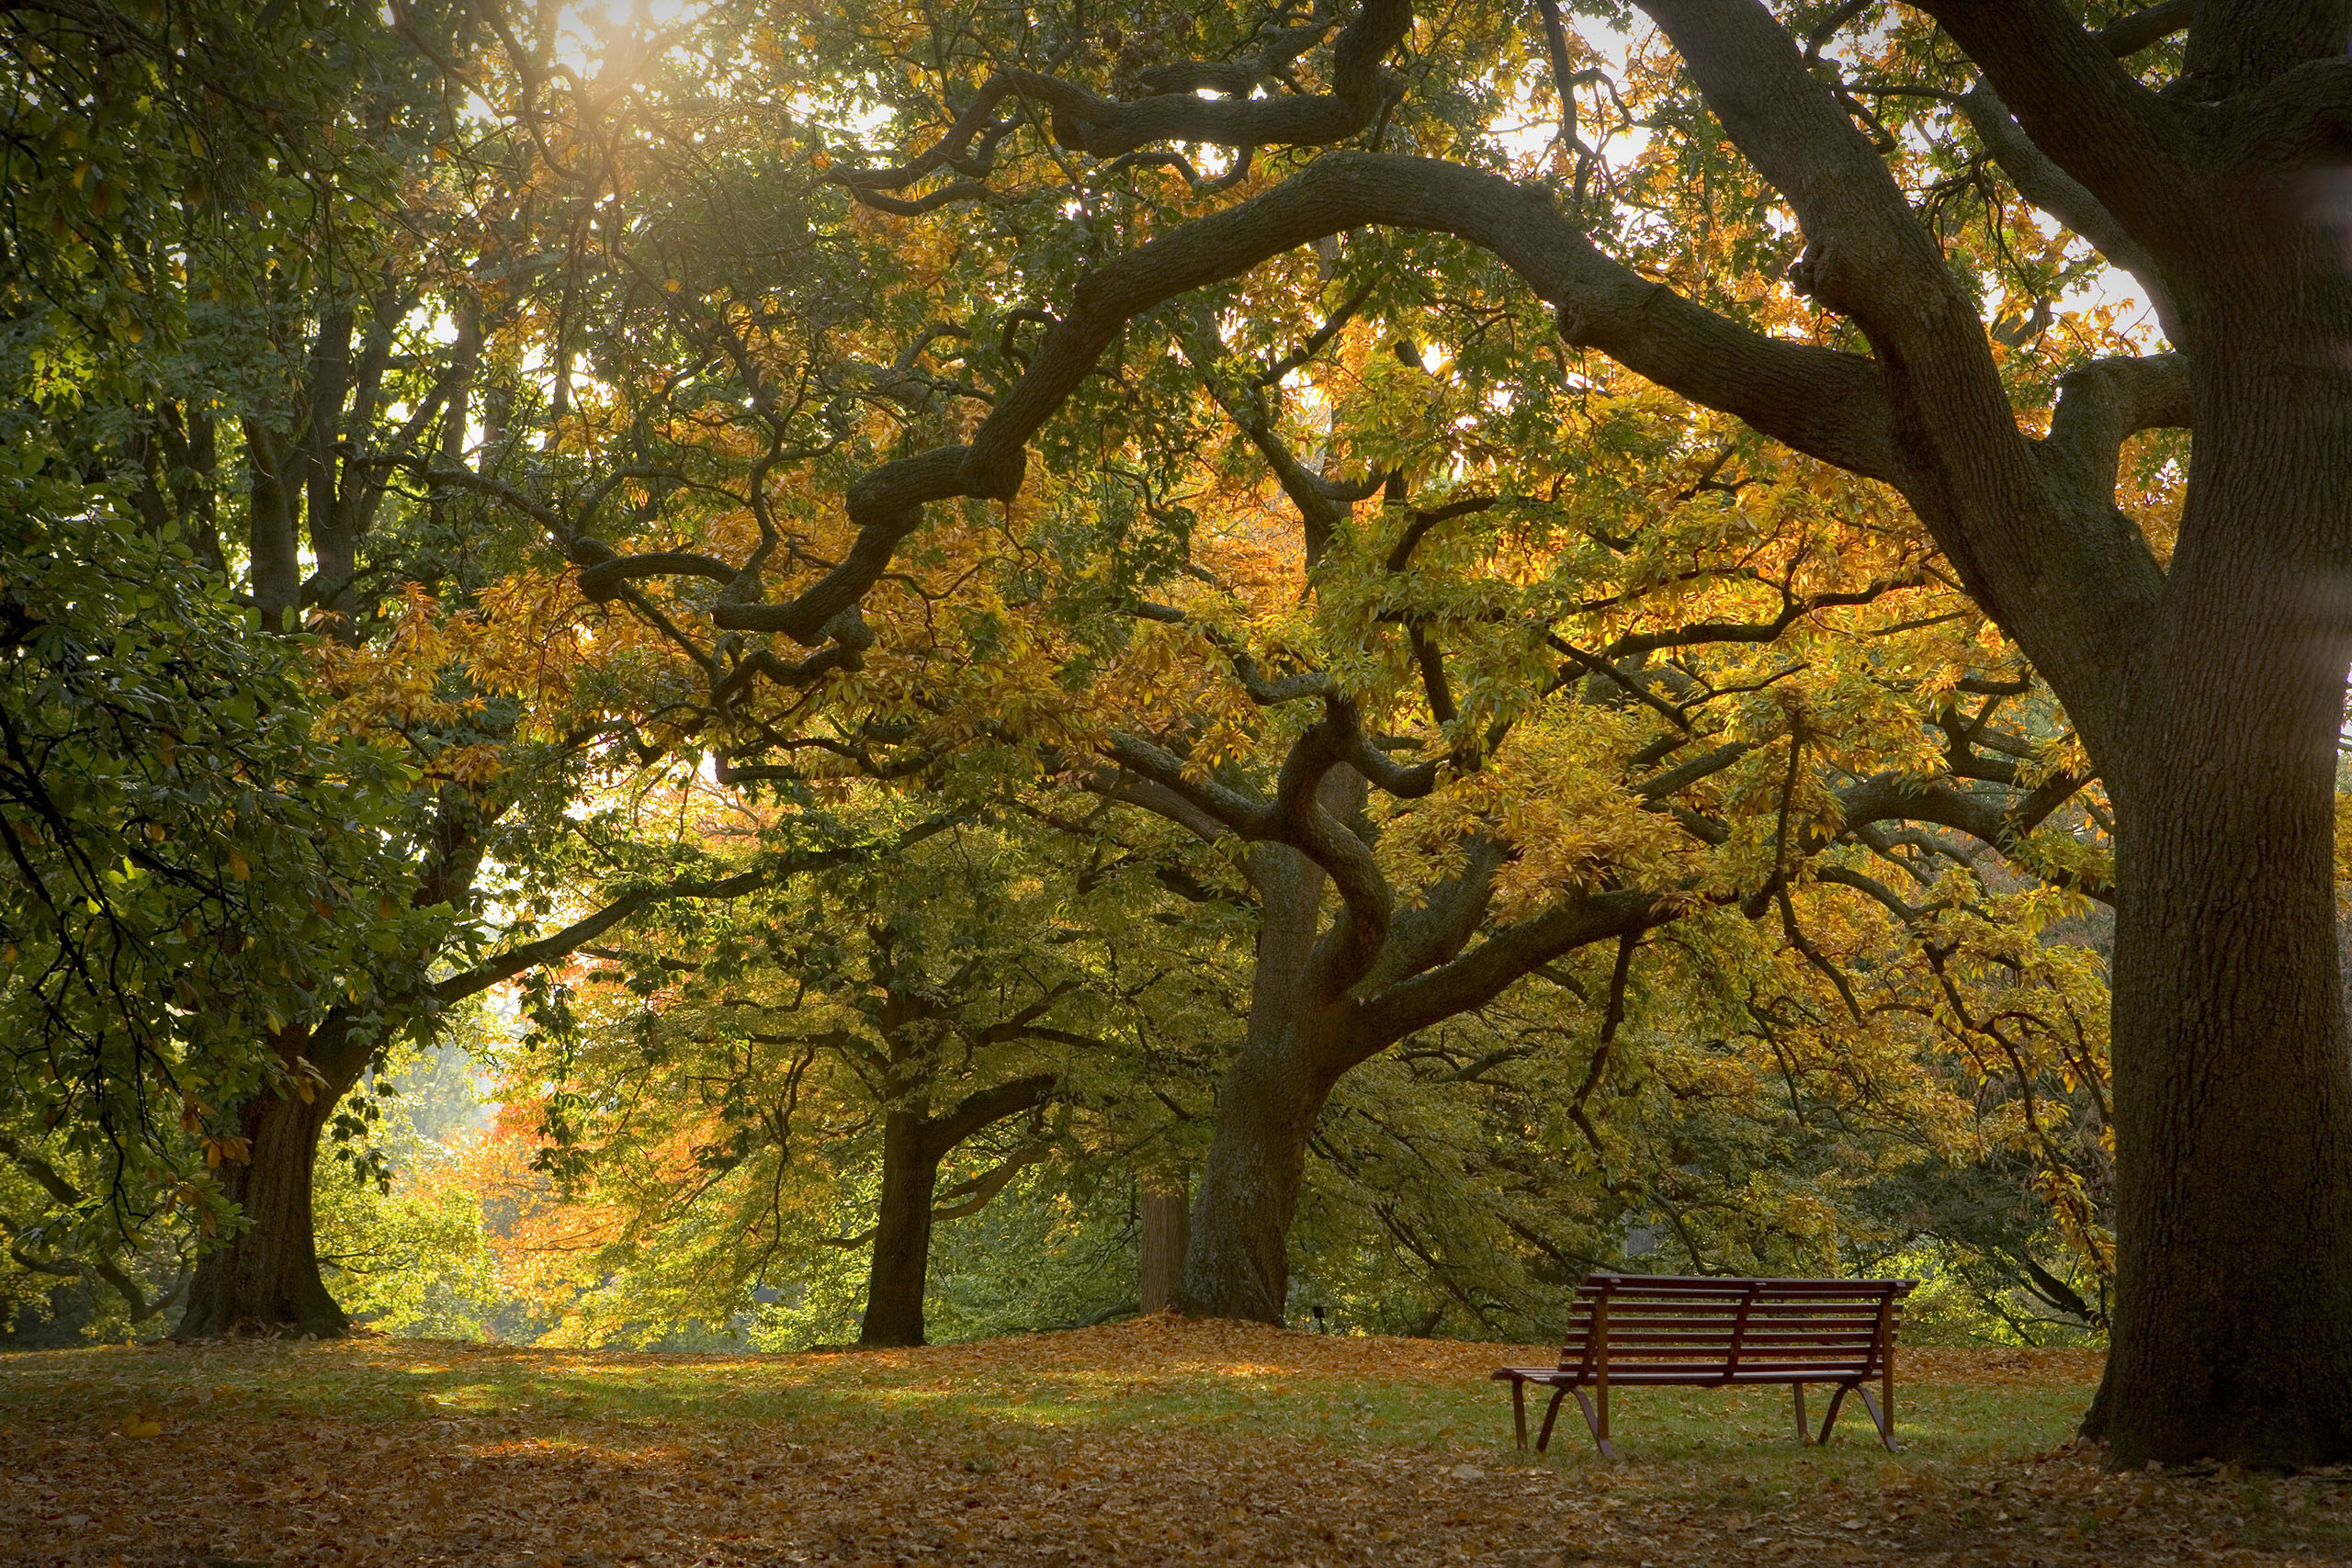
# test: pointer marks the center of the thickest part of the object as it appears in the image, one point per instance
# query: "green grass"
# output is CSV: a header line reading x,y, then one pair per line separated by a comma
x,y
857,1396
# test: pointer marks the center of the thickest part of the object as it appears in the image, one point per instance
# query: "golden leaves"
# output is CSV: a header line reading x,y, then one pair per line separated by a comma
x,y
234,1151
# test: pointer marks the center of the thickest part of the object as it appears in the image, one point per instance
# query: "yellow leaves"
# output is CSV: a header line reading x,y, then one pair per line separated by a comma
x,y
140,1424
307,1079
239,868
526,637
235,1150
1557,797
475,765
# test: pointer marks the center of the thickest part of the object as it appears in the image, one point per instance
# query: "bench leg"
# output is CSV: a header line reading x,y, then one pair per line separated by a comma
x,y
1599,1436
1885,1426
1519,1409
1796,1395
1551,1413
1830,1416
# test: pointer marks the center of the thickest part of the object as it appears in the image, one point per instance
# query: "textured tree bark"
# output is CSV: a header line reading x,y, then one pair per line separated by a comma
x,y
902,1265
265,1278
2232,1332
273,558
1167,1217
333,542
1237,1263
1237,1259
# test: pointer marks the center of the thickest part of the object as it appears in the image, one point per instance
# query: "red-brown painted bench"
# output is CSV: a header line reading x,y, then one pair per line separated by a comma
x,y
1653,1331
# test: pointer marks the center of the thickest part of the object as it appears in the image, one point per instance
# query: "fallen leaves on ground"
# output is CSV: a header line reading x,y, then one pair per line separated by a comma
x,y
550,1466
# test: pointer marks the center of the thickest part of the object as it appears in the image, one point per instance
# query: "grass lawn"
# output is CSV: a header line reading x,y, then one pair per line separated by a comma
x,y
1156,1441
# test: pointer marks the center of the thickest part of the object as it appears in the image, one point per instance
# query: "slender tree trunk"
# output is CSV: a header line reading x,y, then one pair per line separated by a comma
x,y
274,560
2232,1332
1166,1222
333,547
893,1286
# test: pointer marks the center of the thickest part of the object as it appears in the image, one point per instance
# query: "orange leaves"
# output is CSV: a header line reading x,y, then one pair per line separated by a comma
x,y
530,636
232,1150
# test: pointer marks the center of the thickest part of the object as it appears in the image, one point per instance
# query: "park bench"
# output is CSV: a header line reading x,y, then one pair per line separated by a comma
x,y
1664,1331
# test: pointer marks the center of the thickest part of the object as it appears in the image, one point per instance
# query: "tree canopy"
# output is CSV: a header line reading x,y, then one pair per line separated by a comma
x,y
1507,638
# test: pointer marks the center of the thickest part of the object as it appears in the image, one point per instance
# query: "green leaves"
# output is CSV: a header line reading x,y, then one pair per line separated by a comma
x,y
172,828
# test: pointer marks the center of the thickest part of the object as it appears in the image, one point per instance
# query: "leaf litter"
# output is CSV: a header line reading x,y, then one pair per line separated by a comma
x,y
1156,1441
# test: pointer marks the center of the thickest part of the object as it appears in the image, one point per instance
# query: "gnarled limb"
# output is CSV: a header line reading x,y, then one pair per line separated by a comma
x,y
2121,143
2052,569
2105,404
1108,128
2042,182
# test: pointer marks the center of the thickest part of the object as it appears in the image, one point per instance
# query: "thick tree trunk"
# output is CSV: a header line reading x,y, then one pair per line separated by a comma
x,y
2232,1332
1237,1262
266,1277
893,1285
1237,1259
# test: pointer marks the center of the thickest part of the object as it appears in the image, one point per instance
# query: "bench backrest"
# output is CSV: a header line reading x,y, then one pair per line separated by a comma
x,y
1669,1323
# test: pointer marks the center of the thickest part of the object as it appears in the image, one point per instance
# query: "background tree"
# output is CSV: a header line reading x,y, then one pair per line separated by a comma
x,y
172,782
874,1048
187,857
237,241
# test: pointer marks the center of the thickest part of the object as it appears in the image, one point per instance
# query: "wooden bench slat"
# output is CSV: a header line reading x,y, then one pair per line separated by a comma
x,y
1720,1333
1845,1355
1665,1284
1720,1329
1695,1377
1760,1318
1719,1344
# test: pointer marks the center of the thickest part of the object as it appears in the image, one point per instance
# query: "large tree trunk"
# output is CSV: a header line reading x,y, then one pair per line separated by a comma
x,y
1237,1261
1237,1258
2232,1332
265,1278
893,1286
